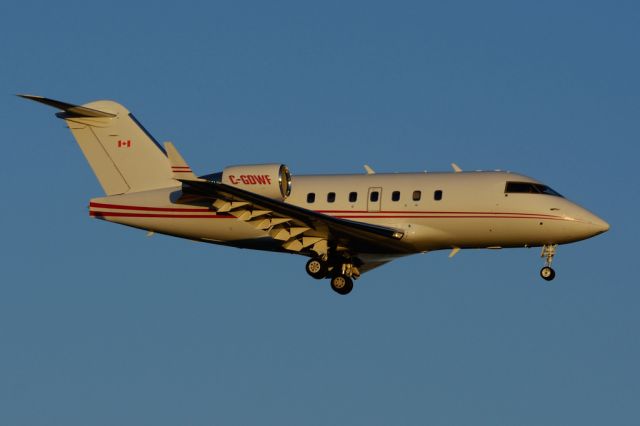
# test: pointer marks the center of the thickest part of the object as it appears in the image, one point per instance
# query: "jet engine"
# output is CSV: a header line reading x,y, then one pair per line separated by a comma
x,y
269,180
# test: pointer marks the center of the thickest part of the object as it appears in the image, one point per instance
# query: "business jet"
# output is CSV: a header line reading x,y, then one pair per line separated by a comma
x,y
345,224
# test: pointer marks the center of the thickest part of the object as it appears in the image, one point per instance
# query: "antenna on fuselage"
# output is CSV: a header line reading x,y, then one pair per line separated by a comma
x,y
456,168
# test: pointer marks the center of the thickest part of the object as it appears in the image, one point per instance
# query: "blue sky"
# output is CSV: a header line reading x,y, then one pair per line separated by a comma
x,y
101,325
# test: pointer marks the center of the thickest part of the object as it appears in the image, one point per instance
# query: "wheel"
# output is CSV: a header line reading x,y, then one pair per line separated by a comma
x,y
317,268
547,273
342,284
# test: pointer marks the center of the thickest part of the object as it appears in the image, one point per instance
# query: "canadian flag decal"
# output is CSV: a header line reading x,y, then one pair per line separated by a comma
x,y
124,144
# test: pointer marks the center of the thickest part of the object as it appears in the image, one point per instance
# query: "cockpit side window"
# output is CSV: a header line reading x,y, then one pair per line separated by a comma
x,y
544,189
529,188
520,188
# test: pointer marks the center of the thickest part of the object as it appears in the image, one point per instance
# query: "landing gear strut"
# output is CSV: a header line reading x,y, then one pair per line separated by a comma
x,y
343,276
548,251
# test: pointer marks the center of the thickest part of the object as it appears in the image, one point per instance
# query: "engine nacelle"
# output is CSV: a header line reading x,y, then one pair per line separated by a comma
x,y
269,180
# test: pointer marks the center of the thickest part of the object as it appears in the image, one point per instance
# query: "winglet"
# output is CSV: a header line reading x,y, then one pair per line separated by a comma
x,y
179,167
69,109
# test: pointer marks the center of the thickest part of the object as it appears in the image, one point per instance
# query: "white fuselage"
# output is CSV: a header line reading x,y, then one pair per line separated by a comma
x,y
346,224
463,210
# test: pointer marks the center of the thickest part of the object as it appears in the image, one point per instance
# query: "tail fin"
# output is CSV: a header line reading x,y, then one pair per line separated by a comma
x,y
122,154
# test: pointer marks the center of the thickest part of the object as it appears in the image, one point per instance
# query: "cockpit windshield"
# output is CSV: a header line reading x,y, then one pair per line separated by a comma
x,y
529,188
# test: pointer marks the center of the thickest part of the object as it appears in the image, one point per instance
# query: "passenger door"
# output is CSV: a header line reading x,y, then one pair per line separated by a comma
x,y
374,199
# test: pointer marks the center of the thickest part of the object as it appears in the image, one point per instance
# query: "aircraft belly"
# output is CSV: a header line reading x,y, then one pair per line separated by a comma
x,y
427,234
222,228
507,232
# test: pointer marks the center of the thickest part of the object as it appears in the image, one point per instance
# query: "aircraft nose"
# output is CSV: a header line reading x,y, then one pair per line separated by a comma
x,y
595,224
587,224
600,225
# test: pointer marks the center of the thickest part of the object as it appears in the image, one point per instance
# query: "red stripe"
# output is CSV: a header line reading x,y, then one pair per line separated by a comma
x,y
144,208
436,212
407,214
357,214
181,216
447,217
222,216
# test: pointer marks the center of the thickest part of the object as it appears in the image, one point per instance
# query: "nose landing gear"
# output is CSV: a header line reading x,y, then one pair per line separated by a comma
x,y
548,251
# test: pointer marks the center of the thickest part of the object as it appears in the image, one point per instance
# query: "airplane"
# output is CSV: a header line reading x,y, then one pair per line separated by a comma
x,y
345,224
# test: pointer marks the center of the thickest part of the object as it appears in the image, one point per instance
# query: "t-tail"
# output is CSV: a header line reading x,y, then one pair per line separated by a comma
x,y
122,153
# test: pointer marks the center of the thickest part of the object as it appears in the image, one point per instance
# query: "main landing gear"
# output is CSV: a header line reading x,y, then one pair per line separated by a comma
x,y
317,268
341,275
342,284
548,251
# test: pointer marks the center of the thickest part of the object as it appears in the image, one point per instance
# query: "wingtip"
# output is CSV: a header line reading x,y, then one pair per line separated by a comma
x,y
26,96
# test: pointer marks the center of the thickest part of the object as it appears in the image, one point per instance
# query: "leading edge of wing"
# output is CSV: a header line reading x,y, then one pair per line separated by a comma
x,y
341,230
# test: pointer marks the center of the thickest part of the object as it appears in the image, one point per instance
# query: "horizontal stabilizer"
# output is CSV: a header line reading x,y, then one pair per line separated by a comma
x,y
71,109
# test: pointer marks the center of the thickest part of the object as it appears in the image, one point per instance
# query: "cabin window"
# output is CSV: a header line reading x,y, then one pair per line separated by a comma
x,y
331,197
395,196
353,197
529,188
417,195
374,196
311,197
437,195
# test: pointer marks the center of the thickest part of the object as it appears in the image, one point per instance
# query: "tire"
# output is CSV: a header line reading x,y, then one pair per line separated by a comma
x,y
547,273
317,268
342,284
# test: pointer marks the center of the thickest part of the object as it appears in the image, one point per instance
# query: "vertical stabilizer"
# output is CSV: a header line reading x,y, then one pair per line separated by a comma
x,y
123,155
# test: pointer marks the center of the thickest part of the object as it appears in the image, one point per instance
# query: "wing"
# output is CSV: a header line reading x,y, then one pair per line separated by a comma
x,y
302,230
